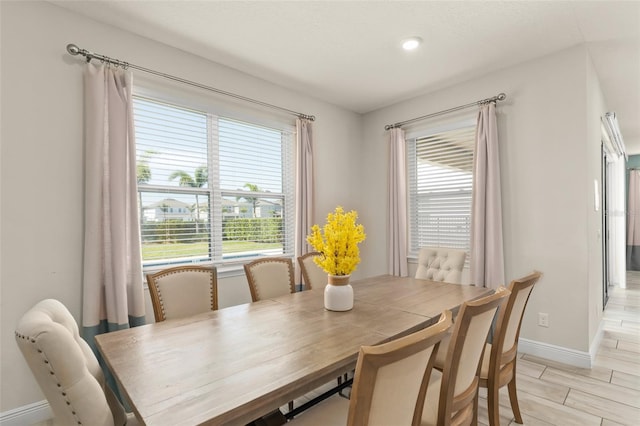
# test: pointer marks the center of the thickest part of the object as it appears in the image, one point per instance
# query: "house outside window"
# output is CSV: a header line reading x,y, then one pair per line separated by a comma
x,y
212,188
440,174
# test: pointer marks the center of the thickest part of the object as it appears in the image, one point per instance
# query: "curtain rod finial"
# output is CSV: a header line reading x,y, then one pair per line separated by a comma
x,y
502,97
73,49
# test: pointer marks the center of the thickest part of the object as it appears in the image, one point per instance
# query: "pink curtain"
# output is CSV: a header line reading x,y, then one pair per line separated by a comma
x,y
487,259
304,189
633,222
113,296
397,212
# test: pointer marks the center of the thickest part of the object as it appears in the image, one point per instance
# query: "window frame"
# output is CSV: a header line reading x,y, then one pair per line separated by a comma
x,y
218,109
412,135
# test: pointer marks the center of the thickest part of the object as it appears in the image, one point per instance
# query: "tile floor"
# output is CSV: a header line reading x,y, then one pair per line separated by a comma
x,y
551,393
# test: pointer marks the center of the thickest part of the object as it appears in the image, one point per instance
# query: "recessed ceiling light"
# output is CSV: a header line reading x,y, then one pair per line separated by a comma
x,y
411,43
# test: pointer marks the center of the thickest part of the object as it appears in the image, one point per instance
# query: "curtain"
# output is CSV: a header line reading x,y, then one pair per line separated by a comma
x,y
397,213
113,296
633,222
304,189
487,260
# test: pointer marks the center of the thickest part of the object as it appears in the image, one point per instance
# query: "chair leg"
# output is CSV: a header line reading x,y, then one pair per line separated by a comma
x,y
493,405
513,397
290,406
474,415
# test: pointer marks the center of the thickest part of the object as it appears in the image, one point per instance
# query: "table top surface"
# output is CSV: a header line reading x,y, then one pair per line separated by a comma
x,y
233,365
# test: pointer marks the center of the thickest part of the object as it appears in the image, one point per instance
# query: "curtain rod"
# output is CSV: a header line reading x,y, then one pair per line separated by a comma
x,y
500,97
74,50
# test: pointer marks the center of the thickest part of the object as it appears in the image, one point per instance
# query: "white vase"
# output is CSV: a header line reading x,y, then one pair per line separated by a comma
x,y
338,294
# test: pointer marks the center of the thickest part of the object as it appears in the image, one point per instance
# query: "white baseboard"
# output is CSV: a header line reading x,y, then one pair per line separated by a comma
x,y
595,345
561,354
27,414
555,353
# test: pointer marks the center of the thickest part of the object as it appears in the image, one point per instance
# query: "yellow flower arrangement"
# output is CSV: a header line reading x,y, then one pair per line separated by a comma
x,y
338,242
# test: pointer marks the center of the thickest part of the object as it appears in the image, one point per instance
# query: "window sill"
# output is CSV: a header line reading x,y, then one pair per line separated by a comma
x,y
225,270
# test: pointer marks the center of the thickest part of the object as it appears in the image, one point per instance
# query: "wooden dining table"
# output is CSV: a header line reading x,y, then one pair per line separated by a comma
x,y
236,364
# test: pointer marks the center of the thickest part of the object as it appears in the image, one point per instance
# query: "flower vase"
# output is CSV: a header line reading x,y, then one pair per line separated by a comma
x,y
338,294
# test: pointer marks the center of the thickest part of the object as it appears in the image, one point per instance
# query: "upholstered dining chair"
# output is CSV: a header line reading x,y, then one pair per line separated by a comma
x,y
270,277
441,264
388,383
452,394
499,360
312,275
66,369
183,291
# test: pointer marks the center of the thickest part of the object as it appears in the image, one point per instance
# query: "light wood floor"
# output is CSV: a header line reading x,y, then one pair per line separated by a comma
x,y
608,394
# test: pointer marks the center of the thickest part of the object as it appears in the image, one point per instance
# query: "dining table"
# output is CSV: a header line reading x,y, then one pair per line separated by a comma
x,y
236,364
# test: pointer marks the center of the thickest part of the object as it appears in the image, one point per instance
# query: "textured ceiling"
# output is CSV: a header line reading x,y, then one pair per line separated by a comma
x,y
347,52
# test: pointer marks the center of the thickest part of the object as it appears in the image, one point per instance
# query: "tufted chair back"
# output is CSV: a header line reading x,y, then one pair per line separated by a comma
x,y
65,368
270,277
441,264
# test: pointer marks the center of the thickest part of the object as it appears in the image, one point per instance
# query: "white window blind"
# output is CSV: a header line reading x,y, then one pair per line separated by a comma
x,y
211,188
440,167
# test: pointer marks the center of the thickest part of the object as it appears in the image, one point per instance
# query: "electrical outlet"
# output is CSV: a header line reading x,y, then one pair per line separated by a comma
x,y
543,319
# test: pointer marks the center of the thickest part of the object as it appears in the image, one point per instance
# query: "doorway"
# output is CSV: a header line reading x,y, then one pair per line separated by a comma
x,y
606,256
613,221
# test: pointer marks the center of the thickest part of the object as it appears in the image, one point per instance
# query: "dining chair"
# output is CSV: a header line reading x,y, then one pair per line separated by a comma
x,y
270,277
183,291
312,275
499,360
388,383
66,369
441,264
452,394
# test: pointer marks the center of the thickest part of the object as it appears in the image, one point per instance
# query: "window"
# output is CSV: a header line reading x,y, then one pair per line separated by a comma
x,y
211,188
440,170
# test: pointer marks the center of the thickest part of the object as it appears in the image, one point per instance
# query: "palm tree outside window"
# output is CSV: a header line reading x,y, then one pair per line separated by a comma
x,y
212,188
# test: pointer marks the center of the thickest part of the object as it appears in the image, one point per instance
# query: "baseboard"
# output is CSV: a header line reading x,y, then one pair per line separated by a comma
x,y
27,414
595,344
556,353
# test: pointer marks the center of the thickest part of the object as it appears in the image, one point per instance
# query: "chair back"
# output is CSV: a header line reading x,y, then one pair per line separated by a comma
x,y
441,264
312,275
270,277
390,378
459,379
65,368
510,317
183,291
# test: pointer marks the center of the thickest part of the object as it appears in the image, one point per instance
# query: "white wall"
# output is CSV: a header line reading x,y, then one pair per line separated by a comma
x,y
42,159
549,145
